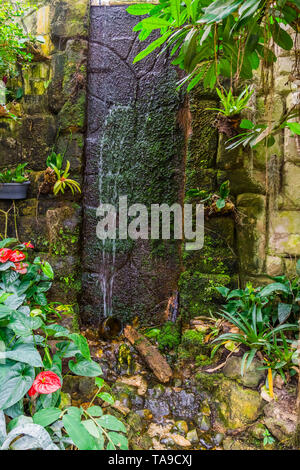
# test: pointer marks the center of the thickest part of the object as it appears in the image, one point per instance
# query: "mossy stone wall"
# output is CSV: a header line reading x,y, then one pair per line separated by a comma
x,y
134,148
51,114
140,124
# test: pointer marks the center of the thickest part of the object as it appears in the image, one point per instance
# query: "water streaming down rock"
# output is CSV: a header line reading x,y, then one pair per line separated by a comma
x,y
134,148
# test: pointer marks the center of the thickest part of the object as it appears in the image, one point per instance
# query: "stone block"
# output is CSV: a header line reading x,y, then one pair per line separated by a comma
x,y
274,266
243,180
290,196
285,233
251,237
68,19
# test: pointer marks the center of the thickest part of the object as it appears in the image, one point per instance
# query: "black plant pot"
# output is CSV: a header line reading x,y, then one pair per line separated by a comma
x,y
14,190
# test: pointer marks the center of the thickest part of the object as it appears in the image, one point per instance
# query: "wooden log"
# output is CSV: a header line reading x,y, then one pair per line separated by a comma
x,y
150,354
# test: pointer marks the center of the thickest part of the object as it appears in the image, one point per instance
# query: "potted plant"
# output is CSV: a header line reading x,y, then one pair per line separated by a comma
x,y
14,183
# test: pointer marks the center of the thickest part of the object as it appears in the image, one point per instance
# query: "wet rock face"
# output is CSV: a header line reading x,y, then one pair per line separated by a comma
x,y
134,147
182,404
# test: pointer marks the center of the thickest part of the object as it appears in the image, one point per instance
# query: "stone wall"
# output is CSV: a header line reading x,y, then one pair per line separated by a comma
x,y
134,148
51,114
136,134
265,186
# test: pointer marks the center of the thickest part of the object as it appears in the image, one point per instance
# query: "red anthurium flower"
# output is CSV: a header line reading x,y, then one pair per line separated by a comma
x,y
21,268
5,254
29,245
44,383
17,256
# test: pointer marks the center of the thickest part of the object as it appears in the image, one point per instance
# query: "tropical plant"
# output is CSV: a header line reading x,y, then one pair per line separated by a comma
x,y
256,334
205,197
260,314
63,181
14,38
31,375
231,105
56,178
256,133
274,302
16,175
228,38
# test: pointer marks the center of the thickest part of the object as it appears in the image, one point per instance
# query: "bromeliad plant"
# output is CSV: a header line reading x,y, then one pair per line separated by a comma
x,y
260,315
56,179
31,375
232,106
255,334
228,118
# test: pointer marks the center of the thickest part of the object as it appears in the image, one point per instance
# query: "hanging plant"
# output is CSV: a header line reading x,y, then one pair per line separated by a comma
x,y
229,116
14,183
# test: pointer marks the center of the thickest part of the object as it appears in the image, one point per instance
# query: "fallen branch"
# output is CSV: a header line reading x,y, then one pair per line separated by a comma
x,y
150,354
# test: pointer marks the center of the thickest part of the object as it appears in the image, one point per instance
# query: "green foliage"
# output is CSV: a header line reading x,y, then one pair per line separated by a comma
x,y
13,36
208,198
167,338
227,38
63,181
193,341
25,335
231,105
260,315
55,161
16,175
23,434
268,438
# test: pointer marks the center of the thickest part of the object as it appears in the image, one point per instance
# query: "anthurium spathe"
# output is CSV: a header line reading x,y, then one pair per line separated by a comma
x,y
21,268
44,383
17,256
29,245
5,254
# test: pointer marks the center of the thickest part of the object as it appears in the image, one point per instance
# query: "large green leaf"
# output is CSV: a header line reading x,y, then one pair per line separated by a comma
x,y
15,301
119,440
78,433
23,352
84,367
95,411
38,433
47,269
281,37
139,9
218,10
6,266
58,331
23,325
5,311
16,379
154,45
111,423
46,416
274,287
7,242
82,344
284,311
